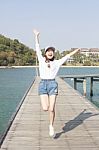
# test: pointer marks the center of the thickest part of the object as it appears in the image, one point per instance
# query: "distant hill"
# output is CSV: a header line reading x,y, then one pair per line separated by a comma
x,y
12,52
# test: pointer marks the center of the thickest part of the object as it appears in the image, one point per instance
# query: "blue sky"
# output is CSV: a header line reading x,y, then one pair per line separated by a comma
x,y
63,24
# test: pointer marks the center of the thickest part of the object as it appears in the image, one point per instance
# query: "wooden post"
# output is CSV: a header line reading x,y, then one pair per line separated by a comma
x,y
84,87
36,67
91,87
75,87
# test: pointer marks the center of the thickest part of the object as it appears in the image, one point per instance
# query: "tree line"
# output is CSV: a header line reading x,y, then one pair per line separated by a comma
x,y
12,52
15,53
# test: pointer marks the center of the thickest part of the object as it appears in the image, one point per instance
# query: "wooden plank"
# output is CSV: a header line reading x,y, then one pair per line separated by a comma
x,y
76,124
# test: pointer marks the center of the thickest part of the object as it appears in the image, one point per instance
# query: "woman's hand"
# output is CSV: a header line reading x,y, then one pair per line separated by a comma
x,y
36,32
74,52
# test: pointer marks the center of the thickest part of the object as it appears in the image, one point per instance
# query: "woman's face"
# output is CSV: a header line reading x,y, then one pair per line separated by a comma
x,y
49,54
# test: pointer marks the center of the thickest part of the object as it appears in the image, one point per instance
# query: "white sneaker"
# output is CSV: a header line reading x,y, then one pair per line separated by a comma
x,y
51,131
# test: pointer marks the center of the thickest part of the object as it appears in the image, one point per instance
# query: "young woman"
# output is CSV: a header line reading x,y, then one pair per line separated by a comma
x,y
48,87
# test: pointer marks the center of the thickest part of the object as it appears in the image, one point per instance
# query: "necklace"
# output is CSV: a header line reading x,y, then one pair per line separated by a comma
x,y
48,63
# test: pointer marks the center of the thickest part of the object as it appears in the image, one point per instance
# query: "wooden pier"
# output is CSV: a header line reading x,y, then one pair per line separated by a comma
x,y
76,124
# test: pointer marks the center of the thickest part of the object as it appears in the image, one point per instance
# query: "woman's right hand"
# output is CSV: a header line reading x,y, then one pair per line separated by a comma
x,y
36,32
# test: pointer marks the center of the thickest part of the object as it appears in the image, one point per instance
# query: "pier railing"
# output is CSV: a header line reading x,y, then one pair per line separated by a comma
x,y
82,79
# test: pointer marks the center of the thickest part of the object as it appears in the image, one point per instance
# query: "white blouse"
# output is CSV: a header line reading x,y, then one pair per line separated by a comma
x,y
45,71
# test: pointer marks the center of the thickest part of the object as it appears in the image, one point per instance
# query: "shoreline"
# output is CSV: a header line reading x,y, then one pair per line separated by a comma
x,y
12,67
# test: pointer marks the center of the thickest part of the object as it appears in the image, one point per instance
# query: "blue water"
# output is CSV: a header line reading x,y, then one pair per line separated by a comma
x,y
15,82
13,85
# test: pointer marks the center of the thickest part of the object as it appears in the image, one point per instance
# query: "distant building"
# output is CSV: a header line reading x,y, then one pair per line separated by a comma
x,y
70,60
92,51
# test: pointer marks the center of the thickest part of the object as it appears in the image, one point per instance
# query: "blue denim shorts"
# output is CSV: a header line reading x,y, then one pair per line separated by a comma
x,y
48,86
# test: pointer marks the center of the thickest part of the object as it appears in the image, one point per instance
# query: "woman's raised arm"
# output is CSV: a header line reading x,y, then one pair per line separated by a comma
x,y
37,46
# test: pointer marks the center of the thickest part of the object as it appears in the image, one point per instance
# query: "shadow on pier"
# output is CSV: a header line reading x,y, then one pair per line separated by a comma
x,y
70,125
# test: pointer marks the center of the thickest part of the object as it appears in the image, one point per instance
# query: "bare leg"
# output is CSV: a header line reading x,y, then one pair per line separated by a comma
x,y
44,102
48,103
52,101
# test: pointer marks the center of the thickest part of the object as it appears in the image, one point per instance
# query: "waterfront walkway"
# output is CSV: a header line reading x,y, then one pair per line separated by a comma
x,y
76,123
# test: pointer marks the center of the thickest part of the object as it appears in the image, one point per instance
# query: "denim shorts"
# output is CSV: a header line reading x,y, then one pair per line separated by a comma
x,y
48,86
